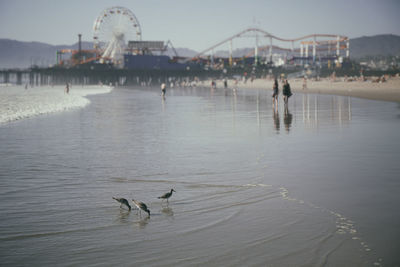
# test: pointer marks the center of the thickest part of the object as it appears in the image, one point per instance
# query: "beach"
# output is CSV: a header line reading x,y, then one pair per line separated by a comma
x,y
386,91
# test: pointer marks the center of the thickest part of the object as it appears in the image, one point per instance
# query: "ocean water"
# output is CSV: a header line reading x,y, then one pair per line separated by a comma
x,y
314,185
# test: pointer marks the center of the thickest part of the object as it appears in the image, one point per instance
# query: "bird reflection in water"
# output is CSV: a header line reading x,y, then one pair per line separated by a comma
x,y
167,211
142,223
287,119
123,216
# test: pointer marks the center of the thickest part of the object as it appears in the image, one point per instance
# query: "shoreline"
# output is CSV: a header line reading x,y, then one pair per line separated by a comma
x,y
19,103
386,91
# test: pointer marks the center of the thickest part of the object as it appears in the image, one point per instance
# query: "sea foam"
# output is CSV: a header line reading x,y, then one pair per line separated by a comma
x,y
16,102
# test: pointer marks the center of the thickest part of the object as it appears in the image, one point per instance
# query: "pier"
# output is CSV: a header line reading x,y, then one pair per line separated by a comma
x,y
105,75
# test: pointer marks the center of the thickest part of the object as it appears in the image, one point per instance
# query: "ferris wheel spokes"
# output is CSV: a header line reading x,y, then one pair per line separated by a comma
x,y
113,28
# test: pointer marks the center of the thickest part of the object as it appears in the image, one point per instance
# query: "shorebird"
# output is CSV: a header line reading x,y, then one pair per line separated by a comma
x,y
141,206
167,195
123,201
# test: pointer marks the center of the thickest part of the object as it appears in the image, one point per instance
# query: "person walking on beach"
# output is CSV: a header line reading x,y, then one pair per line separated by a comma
x,y
286,92
163,89
304,82
213,84
275,93
66,90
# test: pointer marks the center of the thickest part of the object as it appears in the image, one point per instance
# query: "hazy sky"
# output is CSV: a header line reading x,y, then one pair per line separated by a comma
x,y
198,24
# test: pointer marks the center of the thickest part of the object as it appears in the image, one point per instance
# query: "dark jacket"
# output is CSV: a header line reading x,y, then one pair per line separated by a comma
x,y
286,90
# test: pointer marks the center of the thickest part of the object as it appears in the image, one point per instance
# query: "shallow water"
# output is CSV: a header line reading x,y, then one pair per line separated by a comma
x,y
316,185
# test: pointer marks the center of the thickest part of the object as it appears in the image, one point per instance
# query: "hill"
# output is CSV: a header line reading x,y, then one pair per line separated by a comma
x,y
16,54
378,45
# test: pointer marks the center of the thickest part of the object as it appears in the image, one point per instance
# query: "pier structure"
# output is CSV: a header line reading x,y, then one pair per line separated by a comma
x,y
106,74
17,76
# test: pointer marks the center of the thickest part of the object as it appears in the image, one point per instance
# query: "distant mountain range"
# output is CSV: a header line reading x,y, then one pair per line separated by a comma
x,y
378,45
17,54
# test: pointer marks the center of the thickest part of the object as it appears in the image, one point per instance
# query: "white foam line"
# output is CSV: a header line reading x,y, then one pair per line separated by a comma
x,y
17,103
343,225
256,185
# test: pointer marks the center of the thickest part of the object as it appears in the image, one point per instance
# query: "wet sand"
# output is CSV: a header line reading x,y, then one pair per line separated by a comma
x,y
386,91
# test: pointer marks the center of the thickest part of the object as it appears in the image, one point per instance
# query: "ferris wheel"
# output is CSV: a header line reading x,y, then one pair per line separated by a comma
x,y
112,29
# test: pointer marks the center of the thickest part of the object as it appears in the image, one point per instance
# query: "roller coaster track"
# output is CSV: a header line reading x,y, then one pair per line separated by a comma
x,y
336,39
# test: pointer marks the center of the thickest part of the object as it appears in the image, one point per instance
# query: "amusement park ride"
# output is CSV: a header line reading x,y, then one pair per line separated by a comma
x,y
113,30
117,38
328,46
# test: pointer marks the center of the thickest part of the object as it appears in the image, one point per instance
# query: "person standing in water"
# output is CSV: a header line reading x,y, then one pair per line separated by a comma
x,y
163,89
225,83
66,90
286,92
213,84
275,93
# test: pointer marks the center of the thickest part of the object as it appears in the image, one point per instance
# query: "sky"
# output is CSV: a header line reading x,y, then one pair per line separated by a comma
x,y
199,24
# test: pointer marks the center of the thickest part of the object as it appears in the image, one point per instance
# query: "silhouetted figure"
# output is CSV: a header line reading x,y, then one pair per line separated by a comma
x,y
66,90
286,92
275,93
163,89
213,84
304,82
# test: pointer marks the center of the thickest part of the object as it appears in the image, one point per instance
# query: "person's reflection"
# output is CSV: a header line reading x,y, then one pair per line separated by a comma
x,y
163,103
276,120
287,119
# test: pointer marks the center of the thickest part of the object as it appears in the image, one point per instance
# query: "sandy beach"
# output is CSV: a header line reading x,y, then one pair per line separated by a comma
x,y
386,91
